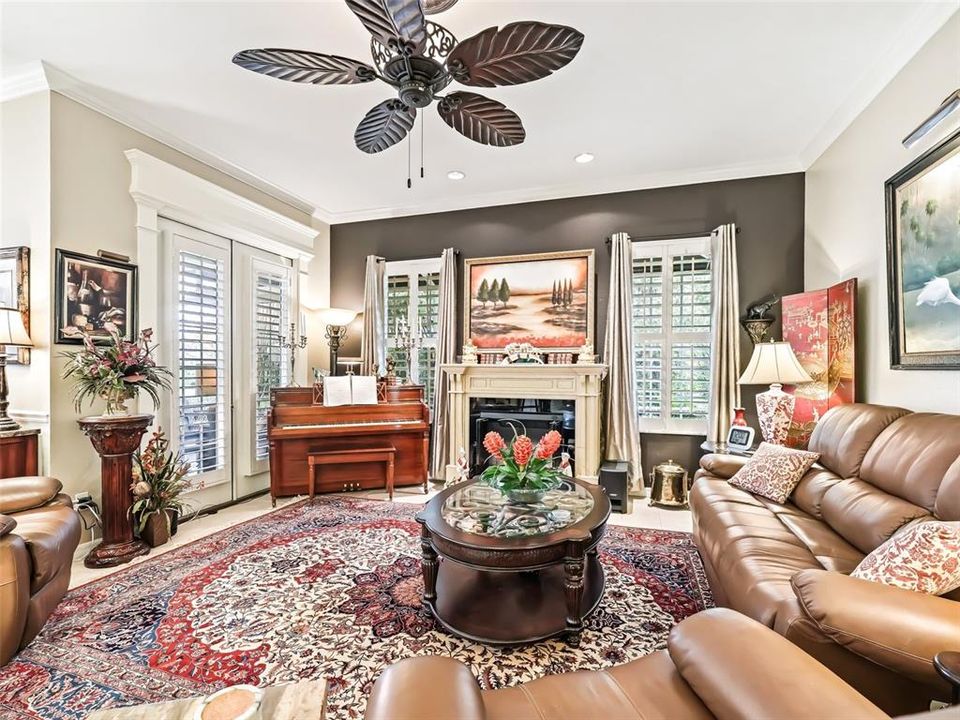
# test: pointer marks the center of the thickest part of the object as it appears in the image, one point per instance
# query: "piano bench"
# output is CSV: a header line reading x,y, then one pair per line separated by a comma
x,y
383,455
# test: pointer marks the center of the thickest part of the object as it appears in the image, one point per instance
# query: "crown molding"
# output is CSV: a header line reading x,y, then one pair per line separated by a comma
x,y
648,181
22,81
929,19
65,84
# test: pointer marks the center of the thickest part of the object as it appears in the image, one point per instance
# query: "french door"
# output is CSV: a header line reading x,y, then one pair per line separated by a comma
x,y
226,305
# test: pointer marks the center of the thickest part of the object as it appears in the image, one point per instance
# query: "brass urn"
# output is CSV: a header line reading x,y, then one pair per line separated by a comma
x,y
669,481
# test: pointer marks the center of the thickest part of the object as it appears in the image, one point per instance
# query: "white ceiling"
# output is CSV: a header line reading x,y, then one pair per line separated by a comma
x,y
661,93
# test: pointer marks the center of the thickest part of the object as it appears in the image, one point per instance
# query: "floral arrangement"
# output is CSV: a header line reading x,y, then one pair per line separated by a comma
x,y
159,480
116,371
521,469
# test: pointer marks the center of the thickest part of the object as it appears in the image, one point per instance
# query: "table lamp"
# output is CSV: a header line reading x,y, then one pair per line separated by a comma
x,y
12,332
775,364
336,321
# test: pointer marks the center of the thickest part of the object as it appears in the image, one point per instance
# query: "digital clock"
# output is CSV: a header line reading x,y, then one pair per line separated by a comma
x,y
740,437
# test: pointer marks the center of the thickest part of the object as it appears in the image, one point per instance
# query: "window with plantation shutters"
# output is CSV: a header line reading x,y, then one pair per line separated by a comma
x,y
271,319
201,361
413,296
672,296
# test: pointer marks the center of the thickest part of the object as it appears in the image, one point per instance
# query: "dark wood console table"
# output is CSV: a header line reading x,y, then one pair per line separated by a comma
x,y
19,450
116,439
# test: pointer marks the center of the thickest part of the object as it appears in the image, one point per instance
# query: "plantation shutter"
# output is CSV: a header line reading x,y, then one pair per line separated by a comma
x,y
201,361
271,319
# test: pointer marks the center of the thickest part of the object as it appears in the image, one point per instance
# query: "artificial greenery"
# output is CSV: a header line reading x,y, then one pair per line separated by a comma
x,y
521,465
159,481
116,371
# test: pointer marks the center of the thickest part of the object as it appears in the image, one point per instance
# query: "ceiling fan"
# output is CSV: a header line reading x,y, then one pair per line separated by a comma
x,y
420,58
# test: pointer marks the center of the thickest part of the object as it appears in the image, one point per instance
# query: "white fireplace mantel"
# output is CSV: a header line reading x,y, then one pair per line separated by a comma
x,y
581,383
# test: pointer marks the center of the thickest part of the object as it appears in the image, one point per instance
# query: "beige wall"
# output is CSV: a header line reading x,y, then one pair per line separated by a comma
x,y
844,217
25,220
89,208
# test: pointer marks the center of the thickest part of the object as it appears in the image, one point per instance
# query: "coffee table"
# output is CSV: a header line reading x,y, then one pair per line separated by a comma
x,y
506,573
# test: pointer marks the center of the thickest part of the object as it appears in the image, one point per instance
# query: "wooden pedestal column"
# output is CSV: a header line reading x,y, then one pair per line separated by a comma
x,y
115,439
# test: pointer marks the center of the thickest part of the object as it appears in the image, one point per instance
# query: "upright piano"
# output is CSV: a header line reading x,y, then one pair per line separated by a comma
x,y
298,424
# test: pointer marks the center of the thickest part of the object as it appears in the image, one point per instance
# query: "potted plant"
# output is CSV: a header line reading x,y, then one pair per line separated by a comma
x,y
159,481
116,371
522,471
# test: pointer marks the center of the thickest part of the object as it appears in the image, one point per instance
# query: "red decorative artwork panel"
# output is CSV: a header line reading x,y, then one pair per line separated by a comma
x,y
820,327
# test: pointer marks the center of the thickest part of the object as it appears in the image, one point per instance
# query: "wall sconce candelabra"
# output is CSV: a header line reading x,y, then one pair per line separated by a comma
x,y
291,343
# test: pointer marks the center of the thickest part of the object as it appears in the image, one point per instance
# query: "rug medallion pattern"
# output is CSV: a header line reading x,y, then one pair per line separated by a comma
x,y
328,589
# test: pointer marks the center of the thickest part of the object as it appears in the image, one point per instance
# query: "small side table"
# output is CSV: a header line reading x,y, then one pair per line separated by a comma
x,y
724,449
19,451
947,665
115,438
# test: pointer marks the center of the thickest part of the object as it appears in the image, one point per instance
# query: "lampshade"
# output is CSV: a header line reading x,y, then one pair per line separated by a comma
x,y
774,362
12,331
336,316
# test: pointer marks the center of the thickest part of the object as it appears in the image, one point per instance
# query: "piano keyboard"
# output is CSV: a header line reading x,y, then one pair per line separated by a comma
x,y
361,423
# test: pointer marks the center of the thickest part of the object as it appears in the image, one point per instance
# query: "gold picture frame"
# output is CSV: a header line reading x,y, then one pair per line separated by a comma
x,y
545,299
15,292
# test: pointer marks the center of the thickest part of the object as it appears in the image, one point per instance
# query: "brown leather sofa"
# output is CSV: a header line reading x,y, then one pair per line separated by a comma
x,y
718,664
788,565
39,532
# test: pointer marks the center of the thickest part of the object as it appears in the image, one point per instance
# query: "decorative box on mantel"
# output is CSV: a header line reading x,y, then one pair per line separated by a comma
x,y
582,383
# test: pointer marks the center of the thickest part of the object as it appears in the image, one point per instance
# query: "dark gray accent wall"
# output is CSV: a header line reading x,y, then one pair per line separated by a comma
x,y
768,211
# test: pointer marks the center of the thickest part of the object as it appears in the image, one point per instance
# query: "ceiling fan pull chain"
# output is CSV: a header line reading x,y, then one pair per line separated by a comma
x,y
422,121
409,181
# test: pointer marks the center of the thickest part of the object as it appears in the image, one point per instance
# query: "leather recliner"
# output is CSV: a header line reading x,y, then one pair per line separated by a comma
x,y
788,565
39,532
704,673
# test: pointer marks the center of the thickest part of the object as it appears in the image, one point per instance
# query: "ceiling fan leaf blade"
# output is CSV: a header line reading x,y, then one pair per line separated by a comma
x,y
518,53
481,119
393,20
386,124
302,66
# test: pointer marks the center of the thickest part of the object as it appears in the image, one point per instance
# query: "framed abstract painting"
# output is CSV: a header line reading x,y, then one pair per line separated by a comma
x,y
923,260
545,299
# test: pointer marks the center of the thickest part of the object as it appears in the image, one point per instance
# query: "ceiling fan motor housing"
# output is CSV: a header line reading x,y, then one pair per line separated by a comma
x,y
416,94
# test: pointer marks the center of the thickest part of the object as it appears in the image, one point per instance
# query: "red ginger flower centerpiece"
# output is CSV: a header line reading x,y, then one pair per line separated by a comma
x,y
522,470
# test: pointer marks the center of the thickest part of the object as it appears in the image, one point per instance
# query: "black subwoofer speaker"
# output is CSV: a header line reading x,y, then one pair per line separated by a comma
x,y
615,478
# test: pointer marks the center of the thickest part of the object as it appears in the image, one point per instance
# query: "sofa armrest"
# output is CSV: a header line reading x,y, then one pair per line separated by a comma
x,y
25,493
7,524
722,466
426,688
742,670
898,629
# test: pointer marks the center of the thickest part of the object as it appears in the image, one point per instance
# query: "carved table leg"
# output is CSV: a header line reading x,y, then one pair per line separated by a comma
x,y
429,562
573,586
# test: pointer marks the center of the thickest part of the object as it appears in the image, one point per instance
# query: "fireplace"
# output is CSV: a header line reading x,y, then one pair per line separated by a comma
x,y
514,388
528,416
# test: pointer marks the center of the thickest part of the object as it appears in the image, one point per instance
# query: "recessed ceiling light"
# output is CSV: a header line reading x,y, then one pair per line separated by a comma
x,y
455,175
584,158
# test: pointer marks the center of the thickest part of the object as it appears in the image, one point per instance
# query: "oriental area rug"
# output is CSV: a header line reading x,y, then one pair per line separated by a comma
x,y
323,589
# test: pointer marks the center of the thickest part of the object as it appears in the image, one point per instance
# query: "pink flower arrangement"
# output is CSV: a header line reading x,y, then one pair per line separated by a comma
x,y
521,465
116,371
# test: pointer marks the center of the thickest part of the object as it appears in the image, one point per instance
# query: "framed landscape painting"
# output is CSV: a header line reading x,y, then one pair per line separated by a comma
x,y
93,291
923,260
546,300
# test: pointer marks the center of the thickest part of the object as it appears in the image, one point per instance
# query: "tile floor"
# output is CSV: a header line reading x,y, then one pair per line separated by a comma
x,y
642,515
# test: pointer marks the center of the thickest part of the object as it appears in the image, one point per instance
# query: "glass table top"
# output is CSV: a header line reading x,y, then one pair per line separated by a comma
x,y
483,510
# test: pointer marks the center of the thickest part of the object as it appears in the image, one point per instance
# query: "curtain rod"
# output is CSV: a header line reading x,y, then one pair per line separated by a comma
x,y
670,236
421,257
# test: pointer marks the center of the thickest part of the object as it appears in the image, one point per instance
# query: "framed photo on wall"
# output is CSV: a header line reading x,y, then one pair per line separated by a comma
x,y
923,260
545,299
92,292
15,292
